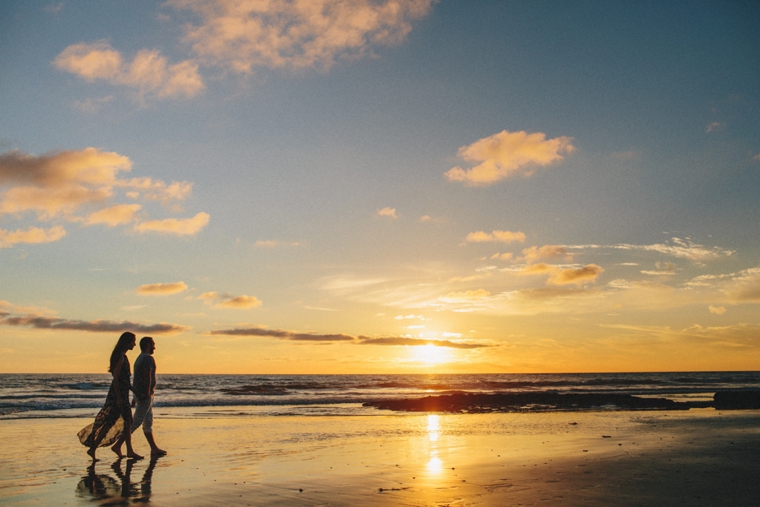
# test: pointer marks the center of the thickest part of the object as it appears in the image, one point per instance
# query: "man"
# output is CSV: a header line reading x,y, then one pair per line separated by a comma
x,y
144,385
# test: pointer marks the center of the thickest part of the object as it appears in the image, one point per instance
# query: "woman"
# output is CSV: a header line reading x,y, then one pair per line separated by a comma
x,y
116,406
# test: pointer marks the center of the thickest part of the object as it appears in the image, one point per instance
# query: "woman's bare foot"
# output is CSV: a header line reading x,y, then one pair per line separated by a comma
x,y
157,452
117,449
91,452
133,455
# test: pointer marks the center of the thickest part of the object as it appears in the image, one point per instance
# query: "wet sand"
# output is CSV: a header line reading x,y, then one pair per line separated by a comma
x,y
231,457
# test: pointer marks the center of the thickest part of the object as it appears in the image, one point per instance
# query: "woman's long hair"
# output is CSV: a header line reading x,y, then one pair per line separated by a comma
x,y
122,346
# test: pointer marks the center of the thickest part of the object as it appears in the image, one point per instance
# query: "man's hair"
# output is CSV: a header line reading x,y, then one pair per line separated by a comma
x,y
145,341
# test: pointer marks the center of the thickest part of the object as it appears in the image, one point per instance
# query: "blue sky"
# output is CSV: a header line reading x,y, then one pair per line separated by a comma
x,y
406,186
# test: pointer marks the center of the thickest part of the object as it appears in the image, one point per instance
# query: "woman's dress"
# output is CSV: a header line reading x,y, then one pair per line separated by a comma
x,y
111,419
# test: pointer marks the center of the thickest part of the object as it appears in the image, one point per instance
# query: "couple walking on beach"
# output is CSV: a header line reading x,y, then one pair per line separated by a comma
x,y
115,423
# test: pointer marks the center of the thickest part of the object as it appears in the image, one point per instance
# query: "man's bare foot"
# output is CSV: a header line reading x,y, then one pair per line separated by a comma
x,y
117,450
134,455
91,452
157,452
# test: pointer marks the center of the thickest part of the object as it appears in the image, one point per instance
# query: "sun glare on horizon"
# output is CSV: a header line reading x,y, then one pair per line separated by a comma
x,y
430,355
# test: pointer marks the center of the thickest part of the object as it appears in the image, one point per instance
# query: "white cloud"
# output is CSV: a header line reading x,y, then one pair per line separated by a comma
x,y
242,35
115,215
176,226
499,236
161,289
149,72
507,154
67,185
33,235
387,212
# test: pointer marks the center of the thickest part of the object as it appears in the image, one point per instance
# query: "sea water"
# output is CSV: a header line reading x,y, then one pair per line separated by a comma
x,y
69,395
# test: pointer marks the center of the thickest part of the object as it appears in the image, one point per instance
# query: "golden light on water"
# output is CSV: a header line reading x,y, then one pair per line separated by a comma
x,y
434,465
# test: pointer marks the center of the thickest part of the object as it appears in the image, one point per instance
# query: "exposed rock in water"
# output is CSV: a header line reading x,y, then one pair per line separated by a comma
x,y
737,400
526,402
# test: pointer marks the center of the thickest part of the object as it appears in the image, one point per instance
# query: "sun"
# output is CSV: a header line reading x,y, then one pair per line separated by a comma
x,y
430,354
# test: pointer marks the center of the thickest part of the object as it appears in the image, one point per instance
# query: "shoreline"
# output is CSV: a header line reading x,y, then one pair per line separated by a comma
x,y
625,458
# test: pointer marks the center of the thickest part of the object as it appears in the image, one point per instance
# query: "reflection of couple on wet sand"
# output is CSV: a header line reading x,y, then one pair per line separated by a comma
x,y
105,487
114,423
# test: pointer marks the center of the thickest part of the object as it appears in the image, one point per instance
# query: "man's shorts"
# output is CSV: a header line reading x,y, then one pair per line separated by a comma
x,y
143,415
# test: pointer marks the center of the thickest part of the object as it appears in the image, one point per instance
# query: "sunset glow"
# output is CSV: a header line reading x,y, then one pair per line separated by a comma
x,y
407,186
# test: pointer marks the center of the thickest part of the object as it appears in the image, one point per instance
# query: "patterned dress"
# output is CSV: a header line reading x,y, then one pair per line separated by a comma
x,y
111,419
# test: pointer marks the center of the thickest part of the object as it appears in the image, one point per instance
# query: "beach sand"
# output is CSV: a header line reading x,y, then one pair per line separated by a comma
x,y
232,456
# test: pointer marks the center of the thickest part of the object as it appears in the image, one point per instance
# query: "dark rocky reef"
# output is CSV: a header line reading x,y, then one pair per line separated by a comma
x,y
737,400
527,402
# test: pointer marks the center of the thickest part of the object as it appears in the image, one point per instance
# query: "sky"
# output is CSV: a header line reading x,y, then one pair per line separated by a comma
x,y
380,186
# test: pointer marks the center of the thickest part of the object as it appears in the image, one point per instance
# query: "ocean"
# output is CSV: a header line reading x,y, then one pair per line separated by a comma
x,y
73,395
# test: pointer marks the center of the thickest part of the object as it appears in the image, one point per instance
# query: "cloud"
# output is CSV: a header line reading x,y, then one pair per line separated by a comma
x,y
240,302
95,326
68,184
387,212
466,296
177,226
717,310
533,253
663,269
275,243
715,126
161,289
230,301
115,215
283,335
500,236
241,36
756,157
32,235
558,276
508,256
682,248
508,154
342,338
156,190
149,72
747,289
587,273
416,342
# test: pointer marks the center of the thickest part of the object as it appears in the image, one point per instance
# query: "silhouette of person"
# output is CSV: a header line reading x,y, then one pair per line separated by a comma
x,y
116,406
144,386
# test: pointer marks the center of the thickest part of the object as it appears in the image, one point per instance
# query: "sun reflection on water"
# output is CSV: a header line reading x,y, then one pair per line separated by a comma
x,y
435,465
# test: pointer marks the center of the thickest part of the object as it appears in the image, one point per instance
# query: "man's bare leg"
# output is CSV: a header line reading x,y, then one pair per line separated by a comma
x,y
154,450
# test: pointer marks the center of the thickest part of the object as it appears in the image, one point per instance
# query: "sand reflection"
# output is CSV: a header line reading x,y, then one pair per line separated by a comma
x,y
104,488
434,465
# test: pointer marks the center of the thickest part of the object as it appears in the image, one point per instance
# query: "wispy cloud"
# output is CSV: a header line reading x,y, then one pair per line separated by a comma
x,y
242,302
149,72
276,243
534,253
495,236
559,276
683,248
715,126
176,226
161,289
387,212
242,36
94,326
283,335
342,338
508,154
115,215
